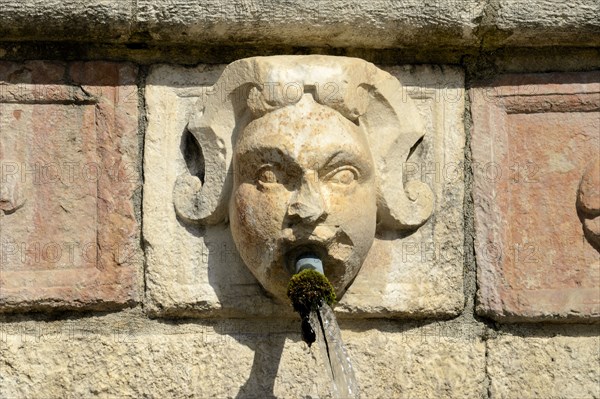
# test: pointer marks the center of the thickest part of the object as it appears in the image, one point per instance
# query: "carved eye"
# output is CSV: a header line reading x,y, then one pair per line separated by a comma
x,y
344,175
267,174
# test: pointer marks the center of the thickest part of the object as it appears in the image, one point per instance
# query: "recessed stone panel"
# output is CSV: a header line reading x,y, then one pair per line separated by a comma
x,y
69,237
536,156
197,271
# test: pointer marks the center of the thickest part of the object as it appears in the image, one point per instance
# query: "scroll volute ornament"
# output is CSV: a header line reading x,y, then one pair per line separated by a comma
x,y
305,151
12,196
588,202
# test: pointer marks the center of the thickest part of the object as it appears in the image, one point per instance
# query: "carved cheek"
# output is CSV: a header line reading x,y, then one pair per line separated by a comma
x,y
355,212
260,213
344,200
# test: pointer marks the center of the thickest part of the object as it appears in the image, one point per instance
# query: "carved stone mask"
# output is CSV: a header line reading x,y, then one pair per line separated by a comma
x,y
295,190
305,154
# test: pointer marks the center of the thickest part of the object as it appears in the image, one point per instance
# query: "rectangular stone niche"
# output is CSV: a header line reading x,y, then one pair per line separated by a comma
x,y
197,271
69,156
535,137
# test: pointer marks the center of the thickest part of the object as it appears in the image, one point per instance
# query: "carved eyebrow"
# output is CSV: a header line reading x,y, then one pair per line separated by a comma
x,y
257,156
261,151
345,157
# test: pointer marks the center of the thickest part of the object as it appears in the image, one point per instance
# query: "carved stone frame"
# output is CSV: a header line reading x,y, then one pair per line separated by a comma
x,y
107,92
492,106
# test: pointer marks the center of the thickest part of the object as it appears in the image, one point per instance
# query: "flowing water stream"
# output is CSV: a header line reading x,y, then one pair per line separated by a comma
x,y
334,354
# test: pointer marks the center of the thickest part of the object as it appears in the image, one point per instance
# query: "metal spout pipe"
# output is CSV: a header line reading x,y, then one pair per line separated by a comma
x,y
309,261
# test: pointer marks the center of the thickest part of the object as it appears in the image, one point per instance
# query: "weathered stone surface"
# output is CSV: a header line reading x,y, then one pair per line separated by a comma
x,y
102,20
422,274
69,157
336,23
531,367
541,22
197,271
378,24
535,148
128,357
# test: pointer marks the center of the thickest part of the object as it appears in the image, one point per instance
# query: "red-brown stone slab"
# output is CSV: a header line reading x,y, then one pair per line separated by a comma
x,y
69,157
536,162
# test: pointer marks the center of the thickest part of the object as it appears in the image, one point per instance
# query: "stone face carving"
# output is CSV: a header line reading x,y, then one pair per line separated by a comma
x,y
305,153
588,202
11,193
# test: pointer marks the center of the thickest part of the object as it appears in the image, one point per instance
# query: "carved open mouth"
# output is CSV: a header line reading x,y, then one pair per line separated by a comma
x,y
292,251
333,247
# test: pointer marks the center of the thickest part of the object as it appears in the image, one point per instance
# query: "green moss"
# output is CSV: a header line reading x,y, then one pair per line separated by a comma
x,y
308,290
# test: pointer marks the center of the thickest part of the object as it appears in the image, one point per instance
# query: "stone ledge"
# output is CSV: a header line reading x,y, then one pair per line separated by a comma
x,y
377,24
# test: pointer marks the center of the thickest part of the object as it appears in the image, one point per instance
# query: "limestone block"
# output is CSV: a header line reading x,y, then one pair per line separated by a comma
x,y
531,367
428,362
407,24
128,357
523,22
535,160
102,20
69,157
197,271
378,24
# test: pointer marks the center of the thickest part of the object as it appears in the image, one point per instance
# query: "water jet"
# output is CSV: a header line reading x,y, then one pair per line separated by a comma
x,y
311,295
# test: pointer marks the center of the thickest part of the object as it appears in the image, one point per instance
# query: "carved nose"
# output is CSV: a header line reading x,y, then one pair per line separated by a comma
x,y
307,203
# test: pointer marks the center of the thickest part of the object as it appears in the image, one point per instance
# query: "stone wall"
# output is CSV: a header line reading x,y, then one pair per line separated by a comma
x,y
105,293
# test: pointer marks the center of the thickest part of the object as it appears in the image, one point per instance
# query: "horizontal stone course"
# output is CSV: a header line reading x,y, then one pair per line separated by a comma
x,y
126,356
337,23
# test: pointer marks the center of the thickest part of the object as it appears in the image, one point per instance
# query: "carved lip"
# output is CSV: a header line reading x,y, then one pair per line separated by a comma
x,y
318,241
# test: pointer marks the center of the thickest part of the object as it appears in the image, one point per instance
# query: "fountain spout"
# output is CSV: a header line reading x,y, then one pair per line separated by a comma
x,y
309,261
311,294
308,290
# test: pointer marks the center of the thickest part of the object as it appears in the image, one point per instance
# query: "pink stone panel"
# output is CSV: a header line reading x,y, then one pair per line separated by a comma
x,y
536,155
69,157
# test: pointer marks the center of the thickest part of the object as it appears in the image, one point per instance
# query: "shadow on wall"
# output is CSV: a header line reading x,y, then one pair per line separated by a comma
x,y
267,352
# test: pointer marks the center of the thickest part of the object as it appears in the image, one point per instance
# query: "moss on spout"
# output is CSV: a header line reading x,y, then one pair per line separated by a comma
x,y
308,290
